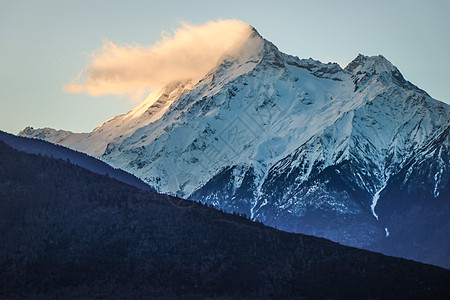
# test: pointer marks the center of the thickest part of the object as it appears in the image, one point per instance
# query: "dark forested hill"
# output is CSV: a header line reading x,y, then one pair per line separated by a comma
x,y
68,232
37,146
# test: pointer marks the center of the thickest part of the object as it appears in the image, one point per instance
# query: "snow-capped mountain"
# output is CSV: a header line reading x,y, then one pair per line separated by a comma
x,y
348,154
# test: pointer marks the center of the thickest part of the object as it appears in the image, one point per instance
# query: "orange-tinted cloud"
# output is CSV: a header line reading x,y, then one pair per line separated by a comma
x,y
134,69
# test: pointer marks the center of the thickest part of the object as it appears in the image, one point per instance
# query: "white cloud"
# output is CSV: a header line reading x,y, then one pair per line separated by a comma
x,y
134,69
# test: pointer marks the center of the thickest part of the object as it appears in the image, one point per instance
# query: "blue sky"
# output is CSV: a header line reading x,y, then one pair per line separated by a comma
x,y
44,45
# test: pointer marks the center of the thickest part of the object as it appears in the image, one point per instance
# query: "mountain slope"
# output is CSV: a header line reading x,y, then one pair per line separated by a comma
x,y
70,233
35,146
301,145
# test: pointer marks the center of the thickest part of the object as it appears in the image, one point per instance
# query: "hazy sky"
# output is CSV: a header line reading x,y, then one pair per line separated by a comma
x,y
45,45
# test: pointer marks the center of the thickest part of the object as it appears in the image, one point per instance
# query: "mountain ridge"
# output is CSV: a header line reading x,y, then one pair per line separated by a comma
x,y
41,147
301,145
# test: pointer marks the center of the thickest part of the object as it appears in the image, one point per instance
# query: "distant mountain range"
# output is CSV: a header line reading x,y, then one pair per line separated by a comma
x,y
67,232
357,155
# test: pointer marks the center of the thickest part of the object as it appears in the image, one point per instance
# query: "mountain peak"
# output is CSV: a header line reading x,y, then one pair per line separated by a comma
x,y
247,49
371,65
254,32
258,49
377,65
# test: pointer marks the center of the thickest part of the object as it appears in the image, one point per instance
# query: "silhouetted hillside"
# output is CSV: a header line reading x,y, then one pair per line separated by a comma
x,y
66,231
36,146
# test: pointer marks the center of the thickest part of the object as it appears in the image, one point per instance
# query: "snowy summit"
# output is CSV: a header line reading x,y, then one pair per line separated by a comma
x,y
298,144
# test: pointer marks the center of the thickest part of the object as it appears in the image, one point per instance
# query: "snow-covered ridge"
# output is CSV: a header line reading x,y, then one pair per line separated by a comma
x,y
261,131
306,103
